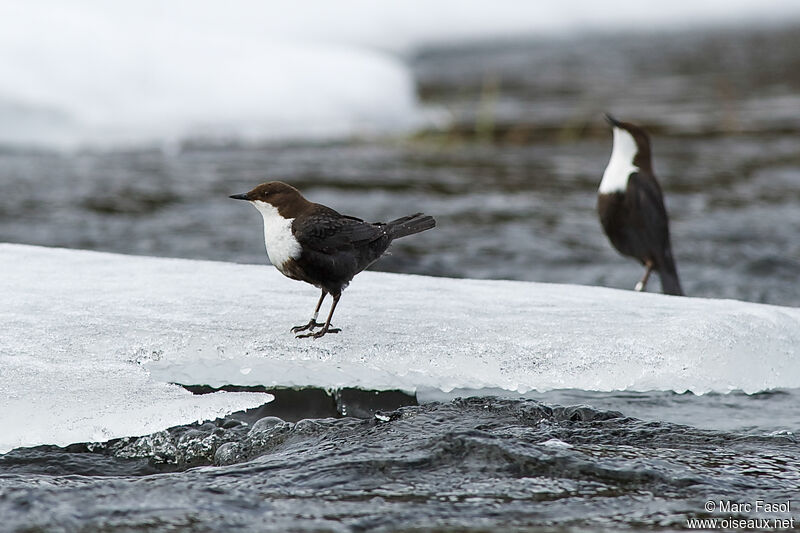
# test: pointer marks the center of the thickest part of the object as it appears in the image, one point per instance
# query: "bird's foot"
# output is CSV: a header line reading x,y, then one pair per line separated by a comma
x,y
311,325
319,333
639,287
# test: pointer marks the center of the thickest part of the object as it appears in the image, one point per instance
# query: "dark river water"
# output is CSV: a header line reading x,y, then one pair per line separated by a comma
x,y
512,182
477,464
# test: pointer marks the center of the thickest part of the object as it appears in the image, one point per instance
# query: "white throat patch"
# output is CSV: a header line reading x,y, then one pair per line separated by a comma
x,y
620,166
278,238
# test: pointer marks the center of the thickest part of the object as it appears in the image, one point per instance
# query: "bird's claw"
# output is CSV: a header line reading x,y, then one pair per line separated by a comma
x,y
320,333
311,325
639,287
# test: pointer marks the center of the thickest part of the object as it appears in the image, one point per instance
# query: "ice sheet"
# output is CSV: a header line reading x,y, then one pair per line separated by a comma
x,y
82,329
67,374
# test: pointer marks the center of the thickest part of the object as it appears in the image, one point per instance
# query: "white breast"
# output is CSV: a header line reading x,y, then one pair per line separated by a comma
x,y
278,237
620,166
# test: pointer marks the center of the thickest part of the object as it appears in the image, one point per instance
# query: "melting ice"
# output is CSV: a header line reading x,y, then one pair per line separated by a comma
x,y
90,341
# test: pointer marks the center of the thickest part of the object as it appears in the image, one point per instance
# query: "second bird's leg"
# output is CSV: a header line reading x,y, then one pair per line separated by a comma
x,y
313,322
643,283
327,327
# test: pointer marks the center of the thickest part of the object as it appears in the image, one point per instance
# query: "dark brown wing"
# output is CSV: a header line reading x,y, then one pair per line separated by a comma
x,y
648,211
328,232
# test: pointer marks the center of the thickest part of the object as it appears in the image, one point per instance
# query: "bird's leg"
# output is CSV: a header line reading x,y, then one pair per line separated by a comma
x,y
313,322
643,283
327,327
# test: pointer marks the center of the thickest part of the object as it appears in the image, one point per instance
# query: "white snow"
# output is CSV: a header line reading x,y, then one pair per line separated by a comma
x,y
148,71
90,340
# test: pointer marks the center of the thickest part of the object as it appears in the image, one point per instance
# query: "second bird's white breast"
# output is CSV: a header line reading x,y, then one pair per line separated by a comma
x,y
278,237
620,166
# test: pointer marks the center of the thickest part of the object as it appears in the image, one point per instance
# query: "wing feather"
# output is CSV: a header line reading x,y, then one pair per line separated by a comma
x,y
649,210
328,232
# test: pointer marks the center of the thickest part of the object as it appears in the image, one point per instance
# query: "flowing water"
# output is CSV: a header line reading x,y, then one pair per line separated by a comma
x,y
511,180
468,464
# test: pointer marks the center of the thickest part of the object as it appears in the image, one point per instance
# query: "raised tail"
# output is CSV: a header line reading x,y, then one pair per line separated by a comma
x,y
410,225
670,284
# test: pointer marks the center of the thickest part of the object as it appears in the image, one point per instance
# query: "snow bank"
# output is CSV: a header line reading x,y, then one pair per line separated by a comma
x,y
128,73
82,331
148,71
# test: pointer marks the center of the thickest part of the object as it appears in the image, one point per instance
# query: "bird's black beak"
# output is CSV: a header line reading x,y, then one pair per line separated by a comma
x,y
242,196
612,121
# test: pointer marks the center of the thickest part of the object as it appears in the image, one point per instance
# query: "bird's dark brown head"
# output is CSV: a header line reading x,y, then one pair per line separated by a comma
x,y
642,159
282,196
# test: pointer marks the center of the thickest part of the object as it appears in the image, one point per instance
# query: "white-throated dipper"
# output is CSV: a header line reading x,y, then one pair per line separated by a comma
x,y
313,243
631,206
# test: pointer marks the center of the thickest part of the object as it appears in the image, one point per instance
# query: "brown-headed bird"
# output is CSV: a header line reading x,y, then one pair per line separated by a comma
x,y
313,243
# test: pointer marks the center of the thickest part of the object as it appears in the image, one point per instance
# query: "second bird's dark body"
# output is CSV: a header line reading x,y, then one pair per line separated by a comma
x,y
314,243
631,207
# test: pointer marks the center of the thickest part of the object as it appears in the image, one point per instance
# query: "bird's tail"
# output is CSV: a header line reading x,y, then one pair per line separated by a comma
x,y
670,284
410,225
